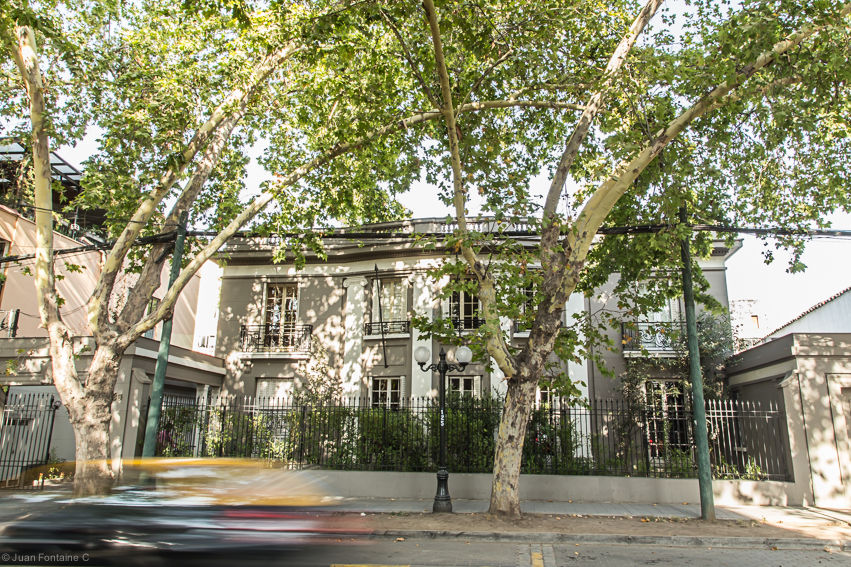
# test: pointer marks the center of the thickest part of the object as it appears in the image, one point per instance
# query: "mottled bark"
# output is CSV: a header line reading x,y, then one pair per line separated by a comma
x,y
505,487
91,418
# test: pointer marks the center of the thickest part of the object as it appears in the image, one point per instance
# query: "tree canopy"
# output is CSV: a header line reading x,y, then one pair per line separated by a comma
x,y
736,111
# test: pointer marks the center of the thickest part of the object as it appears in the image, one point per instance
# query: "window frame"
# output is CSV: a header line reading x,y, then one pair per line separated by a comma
x,y
382,397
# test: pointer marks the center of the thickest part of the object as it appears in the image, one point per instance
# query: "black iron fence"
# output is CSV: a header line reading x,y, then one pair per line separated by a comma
x,y
26,428
603,438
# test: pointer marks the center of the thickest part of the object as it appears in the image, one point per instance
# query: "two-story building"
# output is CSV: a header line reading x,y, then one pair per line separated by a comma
x,y
354,311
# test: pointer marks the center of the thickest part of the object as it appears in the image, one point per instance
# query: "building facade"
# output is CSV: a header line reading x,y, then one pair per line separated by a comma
x,y
351,314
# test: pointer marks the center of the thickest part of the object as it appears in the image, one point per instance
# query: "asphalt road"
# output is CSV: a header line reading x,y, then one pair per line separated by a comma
x,y
434,552
452,552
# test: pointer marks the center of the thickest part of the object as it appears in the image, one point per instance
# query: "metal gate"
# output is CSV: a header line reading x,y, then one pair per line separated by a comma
x,y
26,429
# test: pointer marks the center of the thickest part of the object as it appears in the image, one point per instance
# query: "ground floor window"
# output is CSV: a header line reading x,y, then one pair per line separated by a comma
x,y
385,392
464,385
271,388
667,418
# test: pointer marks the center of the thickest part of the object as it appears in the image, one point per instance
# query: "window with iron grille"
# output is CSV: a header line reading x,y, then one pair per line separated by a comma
x,y
389,306
385,392
667,417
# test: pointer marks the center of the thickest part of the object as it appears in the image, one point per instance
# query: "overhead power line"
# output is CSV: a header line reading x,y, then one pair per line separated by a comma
x,y
612,230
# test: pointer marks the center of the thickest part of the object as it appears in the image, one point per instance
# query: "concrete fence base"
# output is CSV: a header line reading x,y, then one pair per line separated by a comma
x,y
362,484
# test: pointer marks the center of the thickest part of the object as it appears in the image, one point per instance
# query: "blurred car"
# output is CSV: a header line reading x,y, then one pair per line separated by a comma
x,y
205,508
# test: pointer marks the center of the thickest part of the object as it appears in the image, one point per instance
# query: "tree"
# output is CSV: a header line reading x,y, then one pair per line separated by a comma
x,y
747,110
180,96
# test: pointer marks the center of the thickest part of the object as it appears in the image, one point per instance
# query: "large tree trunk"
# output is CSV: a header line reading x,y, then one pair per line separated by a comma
x,y
90,419
505,489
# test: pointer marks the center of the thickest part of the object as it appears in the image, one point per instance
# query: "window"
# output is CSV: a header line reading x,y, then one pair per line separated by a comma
x,y
657,331
389,307
464,310
669,312
464,385
271,388
526,310
153,304
667,418
281,305
280,317
386,392
544,396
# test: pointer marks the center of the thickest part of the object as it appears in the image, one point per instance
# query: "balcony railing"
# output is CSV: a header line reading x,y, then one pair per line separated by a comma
x,y
652,336
467,323
275,338
387,327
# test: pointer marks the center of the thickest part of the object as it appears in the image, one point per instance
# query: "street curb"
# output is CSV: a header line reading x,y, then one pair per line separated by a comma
x,y
674,541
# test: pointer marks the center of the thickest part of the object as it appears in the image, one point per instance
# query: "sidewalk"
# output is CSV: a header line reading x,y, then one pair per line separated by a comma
x,y
771,527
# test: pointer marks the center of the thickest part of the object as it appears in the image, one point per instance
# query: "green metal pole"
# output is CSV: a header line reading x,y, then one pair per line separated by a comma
x,y
701,436
155,407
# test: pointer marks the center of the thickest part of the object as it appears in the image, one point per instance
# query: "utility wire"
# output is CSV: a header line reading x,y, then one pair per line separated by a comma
x,y
166,237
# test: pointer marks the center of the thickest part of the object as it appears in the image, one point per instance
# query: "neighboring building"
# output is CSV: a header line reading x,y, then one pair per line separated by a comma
x,y
23,342
808,375
749,323
833,315
274,316
804,367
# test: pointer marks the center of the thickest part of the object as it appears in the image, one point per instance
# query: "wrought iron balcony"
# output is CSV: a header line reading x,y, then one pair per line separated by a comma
x,y
275,338
467,323
387,327
652,336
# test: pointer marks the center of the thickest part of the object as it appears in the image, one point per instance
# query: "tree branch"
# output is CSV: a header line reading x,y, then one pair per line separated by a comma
x,y
237,99
24,53
594,104
578,241
496,345
410,59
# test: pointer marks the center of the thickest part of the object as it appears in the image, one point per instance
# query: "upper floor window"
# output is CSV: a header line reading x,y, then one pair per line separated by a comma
x,y
668,312
657,331
279,331
465,310
522,324
281,305
389,312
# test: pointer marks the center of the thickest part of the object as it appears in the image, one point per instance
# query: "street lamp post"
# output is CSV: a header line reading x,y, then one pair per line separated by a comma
x,y
463,355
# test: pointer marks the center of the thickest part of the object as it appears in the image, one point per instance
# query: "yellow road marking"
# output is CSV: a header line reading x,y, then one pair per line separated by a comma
x,y
537,559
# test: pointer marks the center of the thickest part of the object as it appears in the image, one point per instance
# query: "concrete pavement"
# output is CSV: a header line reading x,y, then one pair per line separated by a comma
x,y
771,527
